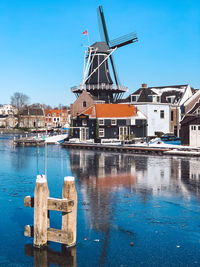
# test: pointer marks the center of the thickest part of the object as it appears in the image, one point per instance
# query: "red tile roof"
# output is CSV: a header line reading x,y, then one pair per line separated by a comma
x,y
115,110
55,112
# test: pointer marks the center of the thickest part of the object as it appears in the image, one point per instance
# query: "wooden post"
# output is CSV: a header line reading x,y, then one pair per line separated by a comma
x,y
69,220
40,211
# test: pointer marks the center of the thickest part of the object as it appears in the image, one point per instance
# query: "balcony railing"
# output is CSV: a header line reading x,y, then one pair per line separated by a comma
x,y
98,87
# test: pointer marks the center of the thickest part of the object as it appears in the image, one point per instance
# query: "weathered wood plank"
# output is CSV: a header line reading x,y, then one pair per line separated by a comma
x,y
56,235
57,204
28,231
69,220
29,201
41,221
64,205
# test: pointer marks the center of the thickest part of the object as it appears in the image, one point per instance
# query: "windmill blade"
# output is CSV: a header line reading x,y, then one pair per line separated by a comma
x,y
124,40
102,25
104,37
114,71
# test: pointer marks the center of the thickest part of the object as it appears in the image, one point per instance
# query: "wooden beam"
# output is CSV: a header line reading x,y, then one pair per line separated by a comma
x,y
69,220
57,204
29,201
54,235
64,205
41,221
59,236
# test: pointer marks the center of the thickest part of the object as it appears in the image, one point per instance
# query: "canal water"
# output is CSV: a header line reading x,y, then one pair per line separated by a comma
x,y
133,210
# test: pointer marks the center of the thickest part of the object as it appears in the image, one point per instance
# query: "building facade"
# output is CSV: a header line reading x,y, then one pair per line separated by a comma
x,y
32,118
190,125
56,118
162,105
109,121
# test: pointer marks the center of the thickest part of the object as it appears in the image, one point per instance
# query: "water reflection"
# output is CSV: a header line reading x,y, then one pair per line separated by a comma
x,y
46,256
107,172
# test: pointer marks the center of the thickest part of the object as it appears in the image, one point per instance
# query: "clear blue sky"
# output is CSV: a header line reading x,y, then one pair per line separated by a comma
x,y
41,53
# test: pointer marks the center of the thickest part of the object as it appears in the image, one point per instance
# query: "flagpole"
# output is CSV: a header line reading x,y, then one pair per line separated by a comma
x,y
88,37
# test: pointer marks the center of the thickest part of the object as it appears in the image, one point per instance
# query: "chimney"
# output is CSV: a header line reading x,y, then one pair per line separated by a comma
x,y
144,85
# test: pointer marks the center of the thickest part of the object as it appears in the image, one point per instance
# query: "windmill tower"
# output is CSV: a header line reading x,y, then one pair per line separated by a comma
x,y
96,76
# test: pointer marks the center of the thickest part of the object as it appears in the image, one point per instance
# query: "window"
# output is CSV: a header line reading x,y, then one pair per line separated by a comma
x,y
155,110
101,122
133,98
101,132
84,122
172,115
158,99
54,119
84,104
162,114
113,122
199,128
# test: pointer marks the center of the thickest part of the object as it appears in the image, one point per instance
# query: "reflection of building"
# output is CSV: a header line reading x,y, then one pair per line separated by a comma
x,y
89,164
100,176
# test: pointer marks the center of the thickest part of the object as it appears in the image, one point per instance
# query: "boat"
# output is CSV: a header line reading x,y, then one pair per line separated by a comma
x,y
171,139
55,139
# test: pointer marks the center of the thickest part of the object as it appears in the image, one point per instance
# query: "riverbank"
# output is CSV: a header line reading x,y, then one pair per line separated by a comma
x,y
139,149
12,131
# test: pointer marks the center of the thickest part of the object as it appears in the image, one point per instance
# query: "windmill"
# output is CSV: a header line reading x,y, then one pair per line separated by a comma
x,y
96,75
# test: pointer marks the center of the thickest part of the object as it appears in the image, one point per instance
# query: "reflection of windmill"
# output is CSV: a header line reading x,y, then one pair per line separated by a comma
x,y
96,76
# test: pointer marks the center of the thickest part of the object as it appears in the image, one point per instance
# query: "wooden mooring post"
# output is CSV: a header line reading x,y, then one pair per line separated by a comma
x,y
42,203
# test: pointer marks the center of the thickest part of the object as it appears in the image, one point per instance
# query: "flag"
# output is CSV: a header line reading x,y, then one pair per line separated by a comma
x,y
85,32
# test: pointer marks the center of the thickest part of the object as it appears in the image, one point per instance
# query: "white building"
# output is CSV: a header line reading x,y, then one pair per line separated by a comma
x,y
158,119
7,110
162,106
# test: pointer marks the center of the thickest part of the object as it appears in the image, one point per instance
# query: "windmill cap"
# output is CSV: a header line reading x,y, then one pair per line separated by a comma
x,y
101,47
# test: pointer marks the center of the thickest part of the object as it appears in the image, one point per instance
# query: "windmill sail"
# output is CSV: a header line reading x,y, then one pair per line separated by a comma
x,y
124,40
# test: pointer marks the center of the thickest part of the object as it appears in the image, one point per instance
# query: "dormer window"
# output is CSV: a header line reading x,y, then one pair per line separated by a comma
x,y
198,111
169,100
134,98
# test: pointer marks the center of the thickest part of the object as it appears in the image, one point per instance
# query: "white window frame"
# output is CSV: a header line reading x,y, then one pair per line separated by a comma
x,y
84,122
101,132
136,98
101,121
113,122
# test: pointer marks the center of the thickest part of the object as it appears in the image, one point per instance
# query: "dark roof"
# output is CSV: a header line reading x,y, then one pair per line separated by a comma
x,y
196,106
145,93
145,96
102,47
168,86
32,111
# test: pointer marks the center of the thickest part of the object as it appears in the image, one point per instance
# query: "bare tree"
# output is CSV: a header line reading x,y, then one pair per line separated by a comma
x,y
19,100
